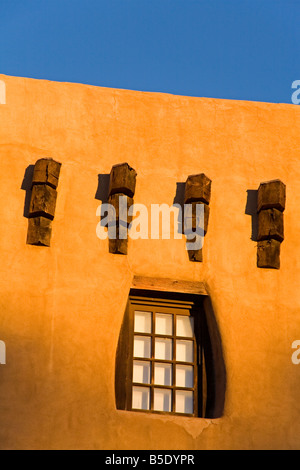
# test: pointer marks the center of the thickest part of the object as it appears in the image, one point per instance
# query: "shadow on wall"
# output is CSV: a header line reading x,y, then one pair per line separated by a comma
x,y
102,194
179,199
251,209
103,187
26,186
216,376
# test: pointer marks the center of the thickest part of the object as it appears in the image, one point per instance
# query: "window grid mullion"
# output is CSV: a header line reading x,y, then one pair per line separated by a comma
x,y
152,360
174,364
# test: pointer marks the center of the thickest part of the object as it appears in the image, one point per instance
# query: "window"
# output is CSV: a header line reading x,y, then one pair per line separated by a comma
x,y
170,356
164,361
159,365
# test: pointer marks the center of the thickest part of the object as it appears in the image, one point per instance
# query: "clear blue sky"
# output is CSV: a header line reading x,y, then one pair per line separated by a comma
x,y
234,49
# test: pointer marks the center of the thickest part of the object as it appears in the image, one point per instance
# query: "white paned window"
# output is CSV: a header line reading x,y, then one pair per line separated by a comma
x,y
164,362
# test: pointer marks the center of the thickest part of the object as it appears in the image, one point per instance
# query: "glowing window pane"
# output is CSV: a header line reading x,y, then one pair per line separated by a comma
x,y
185,376
184,351
162,374
162,400
141,372
142,322
163,324
184,326
142,346
140,398
163,349
184,402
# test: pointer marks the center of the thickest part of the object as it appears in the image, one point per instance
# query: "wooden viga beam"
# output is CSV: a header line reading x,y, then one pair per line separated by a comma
x,y
197,191
121,187
270,206
43,202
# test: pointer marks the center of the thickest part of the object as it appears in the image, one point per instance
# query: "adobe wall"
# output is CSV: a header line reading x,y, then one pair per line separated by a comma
x,y
61,307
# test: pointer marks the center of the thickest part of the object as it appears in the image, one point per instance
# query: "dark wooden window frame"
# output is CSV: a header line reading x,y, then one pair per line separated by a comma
x,y
211,376
125,383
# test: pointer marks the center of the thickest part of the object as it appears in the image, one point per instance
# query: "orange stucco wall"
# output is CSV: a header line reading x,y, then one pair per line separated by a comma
x,y
61,308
